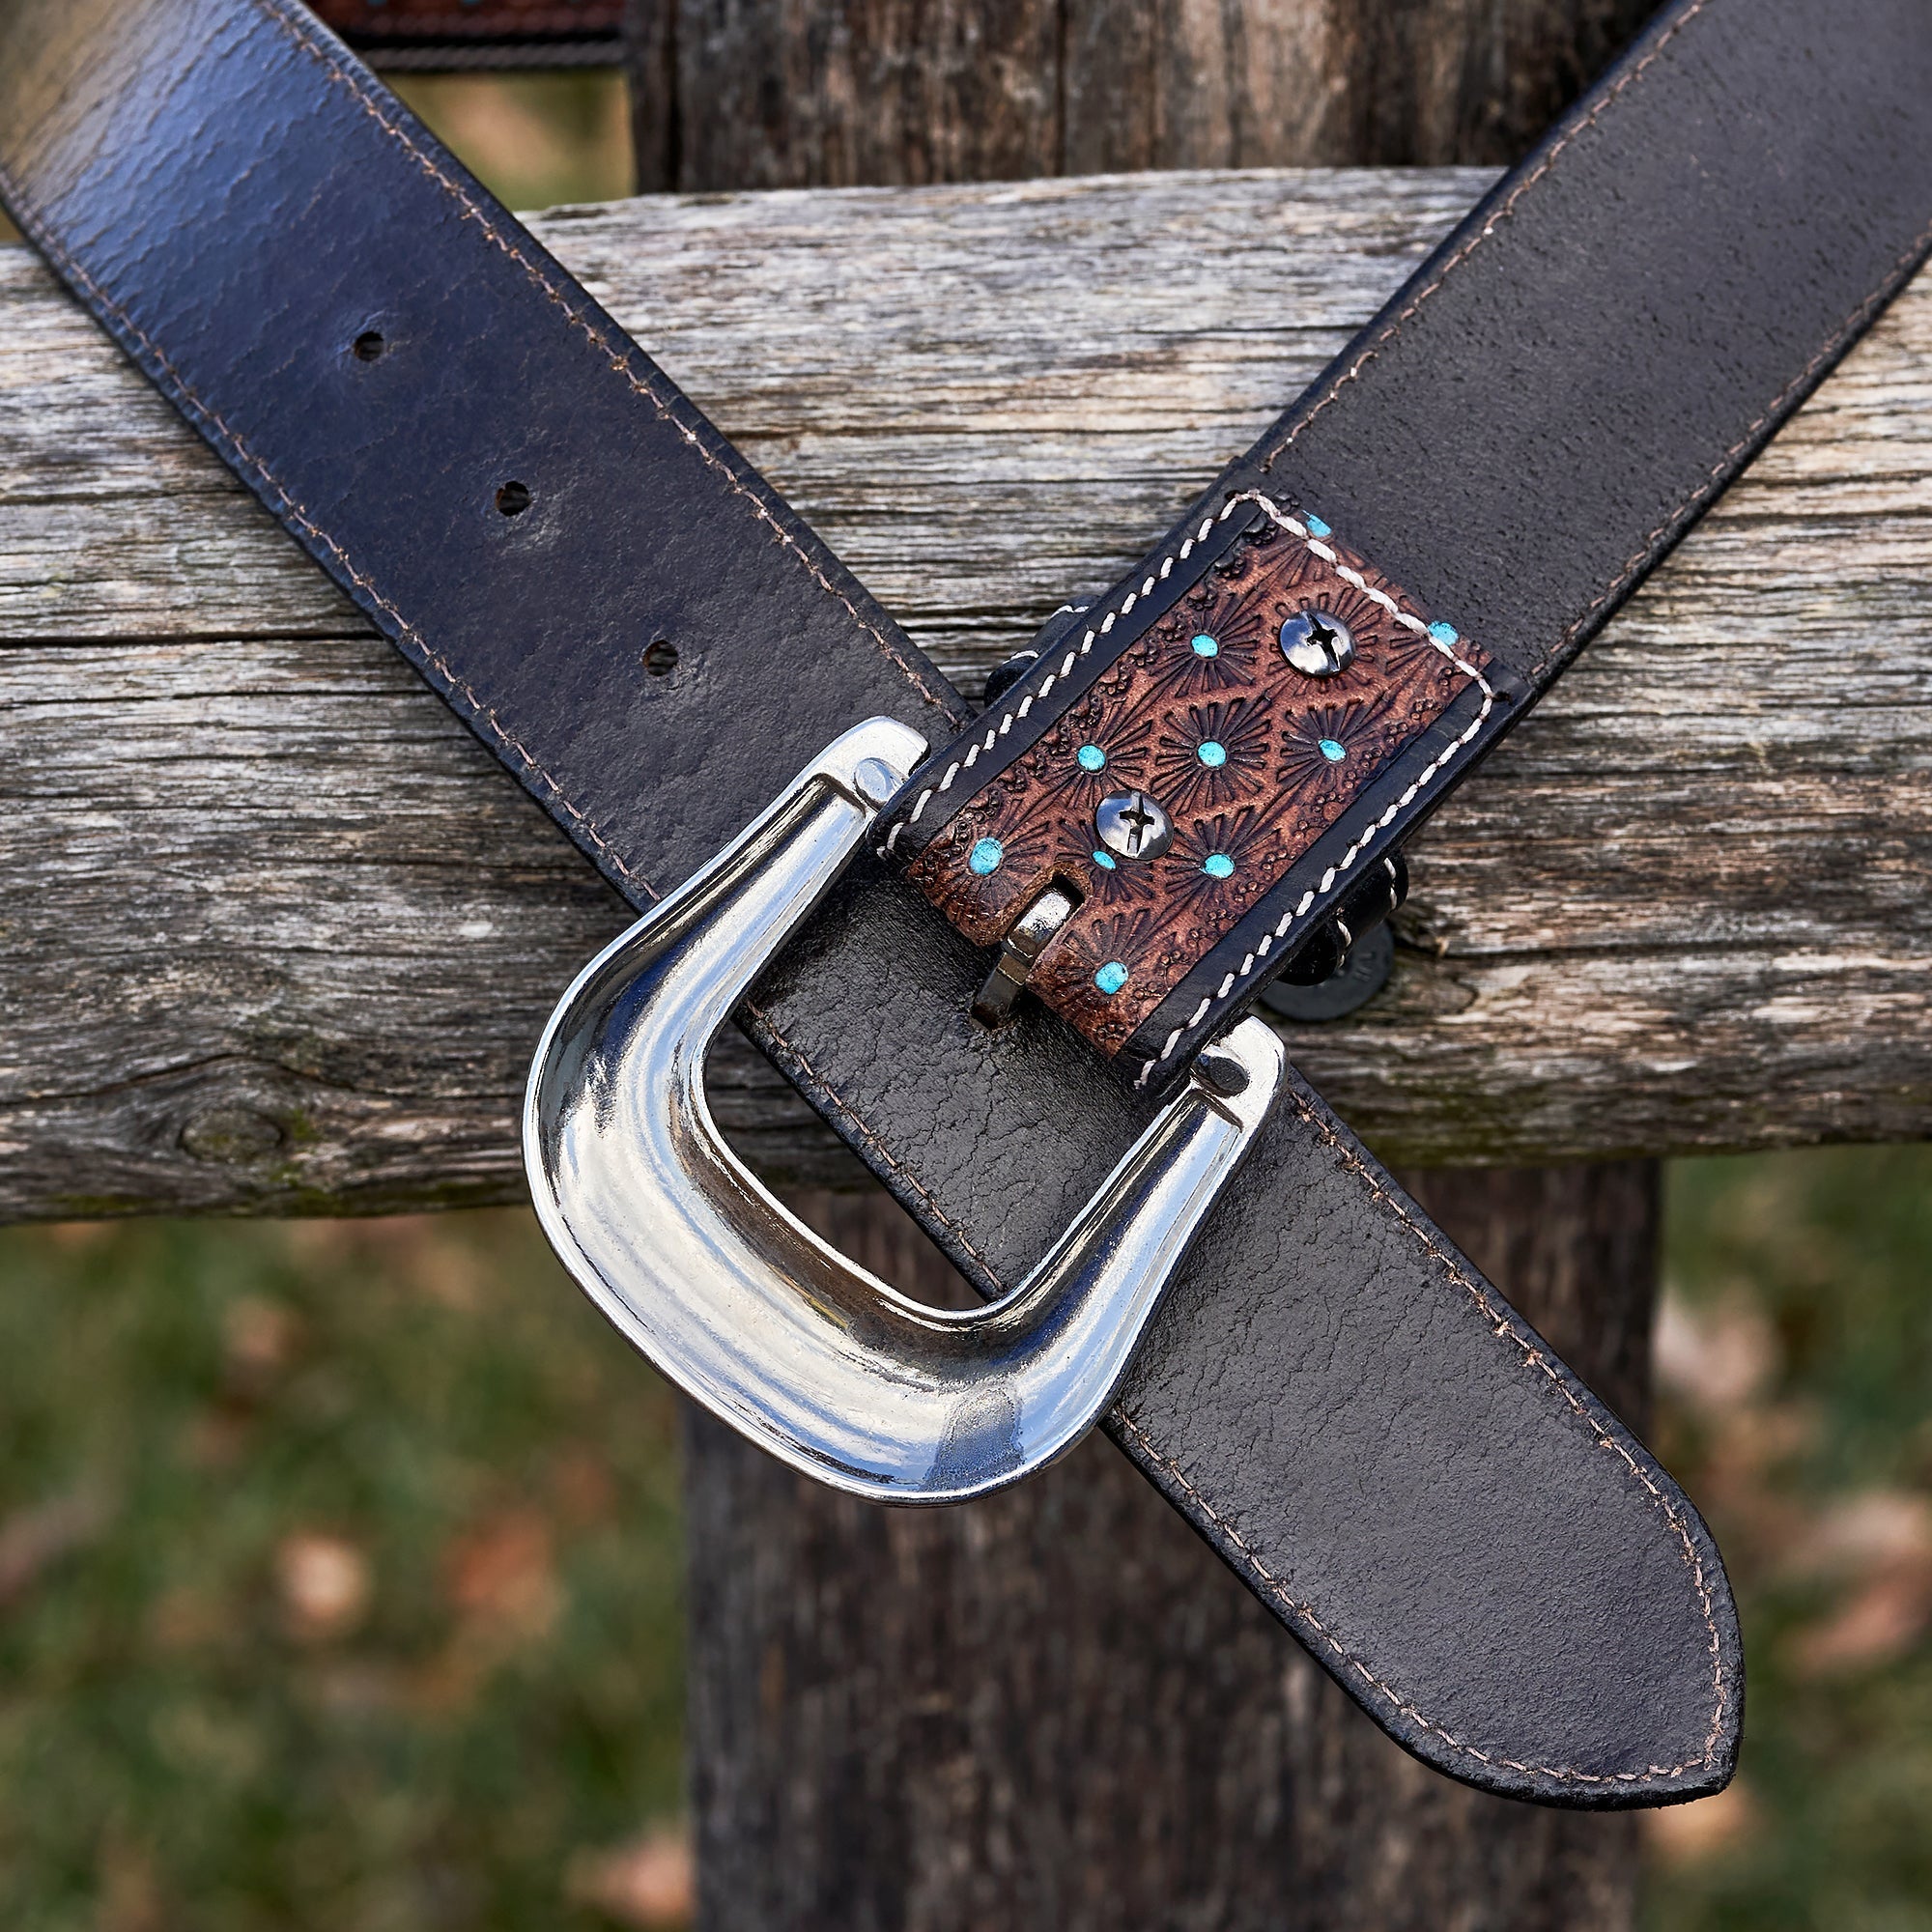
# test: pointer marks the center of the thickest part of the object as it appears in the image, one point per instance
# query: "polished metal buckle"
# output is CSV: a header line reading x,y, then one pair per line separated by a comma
x,y
744,1307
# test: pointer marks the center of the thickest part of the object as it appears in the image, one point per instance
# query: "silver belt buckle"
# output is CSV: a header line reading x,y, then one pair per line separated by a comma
x,y
738,1302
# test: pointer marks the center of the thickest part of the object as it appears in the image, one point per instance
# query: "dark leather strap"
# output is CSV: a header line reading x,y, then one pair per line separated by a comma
x,y
1396,1464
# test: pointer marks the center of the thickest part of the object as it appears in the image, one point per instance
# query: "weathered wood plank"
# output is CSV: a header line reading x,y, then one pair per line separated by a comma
x,y
1287,83
788,93
276,935
828,93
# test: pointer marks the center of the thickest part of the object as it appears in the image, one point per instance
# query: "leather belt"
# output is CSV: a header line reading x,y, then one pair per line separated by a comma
x,y
1478,1551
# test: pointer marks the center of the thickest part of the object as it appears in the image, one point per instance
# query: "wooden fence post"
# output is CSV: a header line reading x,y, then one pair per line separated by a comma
x,y
1056,1709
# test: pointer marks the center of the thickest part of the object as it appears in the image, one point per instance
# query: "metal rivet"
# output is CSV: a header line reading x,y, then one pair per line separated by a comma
x,y
1318,643
1222,1072
875,780
1132,824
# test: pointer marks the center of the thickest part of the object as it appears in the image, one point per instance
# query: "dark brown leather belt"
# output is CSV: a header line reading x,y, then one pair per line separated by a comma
x,y
1389,1457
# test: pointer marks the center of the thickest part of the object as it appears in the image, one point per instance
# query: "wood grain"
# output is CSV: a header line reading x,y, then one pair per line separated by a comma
x,y
736,94
277,936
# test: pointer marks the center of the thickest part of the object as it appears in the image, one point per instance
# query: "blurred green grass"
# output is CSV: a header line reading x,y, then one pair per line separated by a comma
x,y
1795,1380
339,1580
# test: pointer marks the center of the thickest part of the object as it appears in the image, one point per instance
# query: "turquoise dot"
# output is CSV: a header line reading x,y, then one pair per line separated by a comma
x,y
1104,860
1111,977
1316,526
1443,633
1206,646
1212,755
1091,758
1218,865
985,857
1332,750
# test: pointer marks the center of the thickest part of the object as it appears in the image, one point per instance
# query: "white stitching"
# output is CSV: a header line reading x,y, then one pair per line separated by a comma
x,y
1409,621
1024,702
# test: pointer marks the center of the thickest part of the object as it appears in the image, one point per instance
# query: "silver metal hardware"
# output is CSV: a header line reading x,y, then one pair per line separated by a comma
x,y
743,1306
1318,643
1132,824
1360,973
1023,943
875,782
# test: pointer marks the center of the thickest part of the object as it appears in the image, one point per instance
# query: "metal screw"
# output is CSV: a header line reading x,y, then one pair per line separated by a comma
x,y
1132,824
1318,643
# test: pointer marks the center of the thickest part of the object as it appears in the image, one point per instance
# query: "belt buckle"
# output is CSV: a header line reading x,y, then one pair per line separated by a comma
x,y
740,1304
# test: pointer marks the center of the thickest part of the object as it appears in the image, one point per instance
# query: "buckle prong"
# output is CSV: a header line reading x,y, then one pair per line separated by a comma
x,y
1025,941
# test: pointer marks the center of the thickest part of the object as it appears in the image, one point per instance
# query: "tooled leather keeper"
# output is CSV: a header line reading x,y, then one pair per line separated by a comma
x,y
1203,764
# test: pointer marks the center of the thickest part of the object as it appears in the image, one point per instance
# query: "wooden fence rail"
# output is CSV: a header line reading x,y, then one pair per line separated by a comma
x,y
276,936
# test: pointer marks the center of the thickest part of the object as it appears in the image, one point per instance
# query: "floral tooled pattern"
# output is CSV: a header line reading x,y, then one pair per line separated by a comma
x,y
1324,750
1251,759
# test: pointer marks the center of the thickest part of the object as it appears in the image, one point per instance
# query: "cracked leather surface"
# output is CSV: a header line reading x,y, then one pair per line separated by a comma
x,y
1486,1561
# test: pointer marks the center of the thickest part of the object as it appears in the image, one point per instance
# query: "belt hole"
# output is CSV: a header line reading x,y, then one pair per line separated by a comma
x,y
513,499
661,657
369,346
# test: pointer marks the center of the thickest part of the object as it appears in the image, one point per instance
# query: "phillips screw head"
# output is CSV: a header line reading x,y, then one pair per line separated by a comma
x,y
1132,824
1318,643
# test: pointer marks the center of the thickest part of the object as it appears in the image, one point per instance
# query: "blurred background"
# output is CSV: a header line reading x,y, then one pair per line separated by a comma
x,y
339,1561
